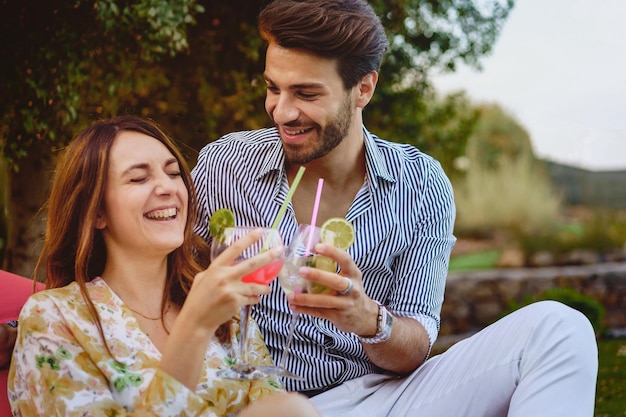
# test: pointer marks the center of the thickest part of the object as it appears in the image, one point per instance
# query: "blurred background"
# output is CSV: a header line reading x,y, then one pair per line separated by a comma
x,y
467,81
521,102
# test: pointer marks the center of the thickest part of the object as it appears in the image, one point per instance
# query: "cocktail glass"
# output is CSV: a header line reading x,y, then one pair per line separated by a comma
x,y
242,369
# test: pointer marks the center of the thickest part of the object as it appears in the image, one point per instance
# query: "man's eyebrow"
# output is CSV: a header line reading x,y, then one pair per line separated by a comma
x,y
297,86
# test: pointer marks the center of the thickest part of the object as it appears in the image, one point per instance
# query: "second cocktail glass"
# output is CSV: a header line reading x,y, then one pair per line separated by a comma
x,y
301,252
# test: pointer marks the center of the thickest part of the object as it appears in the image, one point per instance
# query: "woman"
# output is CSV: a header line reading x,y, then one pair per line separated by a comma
x,y
131,323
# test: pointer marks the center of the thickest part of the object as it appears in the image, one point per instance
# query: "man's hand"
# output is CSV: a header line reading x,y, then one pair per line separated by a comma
x,y
351,310
8,335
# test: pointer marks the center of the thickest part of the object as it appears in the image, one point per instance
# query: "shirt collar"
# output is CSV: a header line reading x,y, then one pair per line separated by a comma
x,y
275,160
374,160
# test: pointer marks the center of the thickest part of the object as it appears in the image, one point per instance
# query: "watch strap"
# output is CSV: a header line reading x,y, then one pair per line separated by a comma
x,y
383,332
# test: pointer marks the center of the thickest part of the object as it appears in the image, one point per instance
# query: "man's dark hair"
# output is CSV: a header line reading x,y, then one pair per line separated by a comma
x,y
346,30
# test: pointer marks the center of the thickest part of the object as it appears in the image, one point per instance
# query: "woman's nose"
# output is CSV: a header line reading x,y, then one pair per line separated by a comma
x,y
165,184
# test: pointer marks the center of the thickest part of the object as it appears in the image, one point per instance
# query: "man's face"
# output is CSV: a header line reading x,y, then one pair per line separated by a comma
x,y
307,102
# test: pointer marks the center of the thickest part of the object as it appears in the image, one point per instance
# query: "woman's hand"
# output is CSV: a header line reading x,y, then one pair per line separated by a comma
x,y
218,293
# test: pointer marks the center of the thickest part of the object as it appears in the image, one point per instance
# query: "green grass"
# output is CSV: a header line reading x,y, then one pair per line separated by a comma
x,y
611,387
474,261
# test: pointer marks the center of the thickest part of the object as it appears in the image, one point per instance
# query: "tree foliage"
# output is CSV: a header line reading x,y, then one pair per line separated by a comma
x,y
69,60
505,189
429,35
497,135
195,67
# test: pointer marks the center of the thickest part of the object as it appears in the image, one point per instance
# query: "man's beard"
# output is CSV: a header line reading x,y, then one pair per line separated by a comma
x,y
334,133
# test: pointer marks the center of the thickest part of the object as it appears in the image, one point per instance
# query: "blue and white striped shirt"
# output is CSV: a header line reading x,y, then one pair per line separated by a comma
x,y
403,217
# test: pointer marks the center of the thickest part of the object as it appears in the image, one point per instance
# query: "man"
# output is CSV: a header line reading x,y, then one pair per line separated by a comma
x,y
363,348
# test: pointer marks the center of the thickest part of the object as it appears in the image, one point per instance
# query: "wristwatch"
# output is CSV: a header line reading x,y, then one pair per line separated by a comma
x,y
383,332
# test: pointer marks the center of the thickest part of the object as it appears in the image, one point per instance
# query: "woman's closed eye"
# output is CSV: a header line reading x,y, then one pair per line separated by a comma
x,y
138,179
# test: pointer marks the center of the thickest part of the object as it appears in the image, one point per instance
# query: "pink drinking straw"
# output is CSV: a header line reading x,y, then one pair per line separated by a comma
x,y
316,205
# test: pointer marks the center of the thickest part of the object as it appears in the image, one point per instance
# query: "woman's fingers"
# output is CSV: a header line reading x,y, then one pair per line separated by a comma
x,y
221,287
234,251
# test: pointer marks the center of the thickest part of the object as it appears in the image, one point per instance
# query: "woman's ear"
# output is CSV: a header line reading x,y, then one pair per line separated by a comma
x,y
101,222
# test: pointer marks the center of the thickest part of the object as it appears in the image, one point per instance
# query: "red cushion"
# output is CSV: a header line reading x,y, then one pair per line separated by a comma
x,y
14,290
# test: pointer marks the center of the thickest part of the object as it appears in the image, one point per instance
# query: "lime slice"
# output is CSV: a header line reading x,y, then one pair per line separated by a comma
x,y
342,229
220,220
319,288
325,264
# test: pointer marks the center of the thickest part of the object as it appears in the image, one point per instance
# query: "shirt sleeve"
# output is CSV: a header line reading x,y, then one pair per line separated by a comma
x,y
422,269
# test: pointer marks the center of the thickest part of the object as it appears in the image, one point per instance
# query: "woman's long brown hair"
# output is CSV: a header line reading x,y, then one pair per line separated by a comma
x,y
73,248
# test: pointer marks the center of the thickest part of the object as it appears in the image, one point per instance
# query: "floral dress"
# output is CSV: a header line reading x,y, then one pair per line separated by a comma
x,y
60,366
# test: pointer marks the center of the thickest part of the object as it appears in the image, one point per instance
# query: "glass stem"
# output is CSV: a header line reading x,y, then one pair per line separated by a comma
x,y
292,328
243,329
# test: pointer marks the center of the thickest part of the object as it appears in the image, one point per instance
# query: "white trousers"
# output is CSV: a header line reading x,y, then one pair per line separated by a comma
x,y
541,360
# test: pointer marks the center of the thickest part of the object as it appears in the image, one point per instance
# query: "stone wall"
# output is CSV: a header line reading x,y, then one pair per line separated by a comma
x,y
473,300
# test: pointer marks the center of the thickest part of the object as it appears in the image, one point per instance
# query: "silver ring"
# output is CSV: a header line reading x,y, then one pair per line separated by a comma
x,y
347,290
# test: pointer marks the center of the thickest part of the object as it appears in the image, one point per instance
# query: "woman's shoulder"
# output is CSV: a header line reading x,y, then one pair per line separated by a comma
x,y
70,291
66,299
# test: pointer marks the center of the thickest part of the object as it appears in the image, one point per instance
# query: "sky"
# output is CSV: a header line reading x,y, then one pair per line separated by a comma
x,y
559,68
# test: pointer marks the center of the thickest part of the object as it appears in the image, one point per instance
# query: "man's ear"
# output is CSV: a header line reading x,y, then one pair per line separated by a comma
x,y
366,88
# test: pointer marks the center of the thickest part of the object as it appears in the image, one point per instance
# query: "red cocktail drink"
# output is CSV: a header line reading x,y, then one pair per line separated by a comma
x,y
265,274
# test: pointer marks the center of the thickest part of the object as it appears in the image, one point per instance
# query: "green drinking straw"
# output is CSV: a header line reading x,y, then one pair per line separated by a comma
x,y
292,189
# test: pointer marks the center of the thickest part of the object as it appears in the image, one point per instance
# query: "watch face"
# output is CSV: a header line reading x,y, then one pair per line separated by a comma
x,y
387,322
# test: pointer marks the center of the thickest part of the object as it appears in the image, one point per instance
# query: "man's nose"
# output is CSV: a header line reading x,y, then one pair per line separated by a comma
x,y
284,110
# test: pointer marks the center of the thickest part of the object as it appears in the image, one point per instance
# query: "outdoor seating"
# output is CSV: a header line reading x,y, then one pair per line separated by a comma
x,y
14,290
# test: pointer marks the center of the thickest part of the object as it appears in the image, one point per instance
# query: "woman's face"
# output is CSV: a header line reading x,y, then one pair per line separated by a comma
x,y
145,199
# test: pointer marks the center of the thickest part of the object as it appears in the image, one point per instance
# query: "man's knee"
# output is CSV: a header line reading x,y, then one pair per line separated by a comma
x,y
561,313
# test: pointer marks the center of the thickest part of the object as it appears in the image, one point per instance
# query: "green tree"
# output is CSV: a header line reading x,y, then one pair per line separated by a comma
x,y
505,189
63,64
195,67
429,35
497,135
437,125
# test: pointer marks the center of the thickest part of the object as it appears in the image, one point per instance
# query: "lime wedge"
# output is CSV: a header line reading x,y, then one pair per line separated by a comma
x,y
220,220
325,264
318,288
342,230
